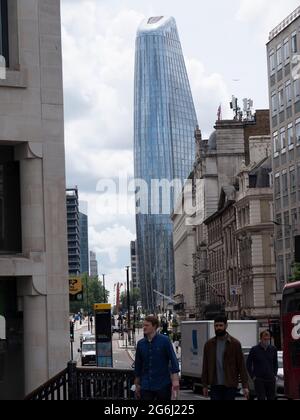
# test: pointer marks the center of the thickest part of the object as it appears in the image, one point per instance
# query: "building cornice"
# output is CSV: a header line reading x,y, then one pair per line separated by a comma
x,y
258,228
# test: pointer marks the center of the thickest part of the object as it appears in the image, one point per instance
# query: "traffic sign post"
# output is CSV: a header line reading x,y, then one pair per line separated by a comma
x,y
75,289
104,353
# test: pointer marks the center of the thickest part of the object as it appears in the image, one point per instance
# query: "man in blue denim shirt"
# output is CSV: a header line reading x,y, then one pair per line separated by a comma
x,y
156,365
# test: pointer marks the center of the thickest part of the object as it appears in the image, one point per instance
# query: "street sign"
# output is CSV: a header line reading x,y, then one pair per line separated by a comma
x,y
103,330
76,289
235,290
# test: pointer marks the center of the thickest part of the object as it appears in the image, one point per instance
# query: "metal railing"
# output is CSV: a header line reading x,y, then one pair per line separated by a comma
x,y
54,390
80,384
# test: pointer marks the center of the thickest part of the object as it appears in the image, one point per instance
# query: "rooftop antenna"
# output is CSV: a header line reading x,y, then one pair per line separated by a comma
x,y
235,107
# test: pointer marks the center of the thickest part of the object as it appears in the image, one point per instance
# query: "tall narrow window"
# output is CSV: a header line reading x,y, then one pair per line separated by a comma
x,y
272,62
288,93
286,49
275,142
298,131
292,179
294,43
290,134
279,55
281,98
297,90
10,208
4,31
282,139
274,103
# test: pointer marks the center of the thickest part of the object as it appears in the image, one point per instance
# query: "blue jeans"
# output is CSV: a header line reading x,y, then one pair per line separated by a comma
x,y
222,393
164,394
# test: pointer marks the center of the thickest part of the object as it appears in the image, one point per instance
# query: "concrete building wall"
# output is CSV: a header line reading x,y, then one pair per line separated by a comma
x,y
284,95
32,120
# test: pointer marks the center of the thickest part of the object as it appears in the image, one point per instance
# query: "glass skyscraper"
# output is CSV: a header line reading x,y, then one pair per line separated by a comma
x,y
165,120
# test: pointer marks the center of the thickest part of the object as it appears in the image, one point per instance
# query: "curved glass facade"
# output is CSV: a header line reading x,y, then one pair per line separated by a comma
x,y
164,147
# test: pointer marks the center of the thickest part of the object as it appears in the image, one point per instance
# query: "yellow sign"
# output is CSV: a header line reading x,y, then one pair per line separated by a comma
x,y
102,306
75,286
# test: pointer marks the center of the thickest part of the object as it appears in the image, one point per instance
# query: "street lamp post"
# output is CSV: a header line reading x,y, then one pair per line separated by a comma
x,y
128,302
87,301
103,275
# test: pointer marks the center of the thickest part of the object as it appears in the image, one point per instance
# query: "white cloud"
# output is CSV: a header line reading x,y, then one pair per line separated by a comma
x,y
268,13
105,209
209,91
110,240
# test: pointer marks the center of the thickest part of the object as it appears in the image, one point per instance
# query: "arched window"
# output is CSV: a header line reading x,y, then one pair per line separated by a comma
x,y
4,31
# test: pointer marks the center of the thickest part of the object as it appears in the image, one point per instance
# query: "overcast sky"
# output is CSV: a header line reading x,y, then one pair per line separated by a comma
x,y
224,47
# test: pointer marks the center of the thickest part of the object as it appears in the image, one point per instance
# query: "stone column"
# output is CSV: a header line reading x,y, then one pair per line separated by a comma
x,y
35,342
32,202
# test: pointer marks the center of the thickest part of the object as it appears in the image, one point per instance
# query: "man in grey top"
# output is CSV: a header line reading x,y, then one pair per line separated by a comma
x,y
223,365
221,343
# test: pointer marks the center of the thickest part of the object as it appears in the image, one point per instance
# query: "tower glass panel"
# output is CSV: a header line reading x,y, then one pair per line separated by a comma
x,y
165,120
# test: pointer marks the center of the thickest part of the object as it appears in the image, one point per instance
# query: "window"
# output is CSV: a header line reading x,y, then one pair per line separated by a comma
x,y
4,31
272,62
292,179
275,142
279,226
290,135
297,90
279,55
10,209
284,183
277,185
274,103
298,131
281,98
286,50
288,93
287,226
282,139
294,43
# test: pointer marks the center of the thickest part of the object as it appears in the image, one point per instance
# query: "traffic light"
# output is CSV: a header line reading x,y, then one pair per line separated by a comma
x,y
165,328
71,331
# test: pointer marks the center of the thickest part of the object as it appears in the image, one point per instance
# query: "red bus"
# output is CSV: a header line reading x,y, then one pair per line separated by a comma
x,y
291,339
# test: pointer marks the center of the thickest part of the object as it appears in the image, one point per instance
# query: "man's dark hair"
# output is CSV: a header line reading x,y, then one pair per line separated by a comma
x,y
221,319
152,320
265,332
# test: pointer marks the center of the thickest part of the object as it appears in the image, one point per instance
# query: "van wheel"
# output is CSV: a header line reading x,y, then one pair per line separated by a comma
x,y
196,389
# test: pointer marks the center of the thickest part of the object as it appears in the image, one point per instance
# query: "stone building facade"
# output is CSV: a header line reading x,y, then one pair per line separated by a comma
x,y
184,248
34,298
241,266
218,161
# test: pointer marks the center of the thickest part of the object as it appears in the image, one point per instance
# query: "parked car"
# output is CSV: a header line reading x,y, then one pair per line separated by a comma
x,y
86,335
88,353
280,376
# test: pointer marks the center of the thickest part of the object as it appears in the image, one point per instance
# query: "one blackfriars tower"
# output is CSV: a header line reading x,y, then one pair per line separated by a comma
x,y
164,148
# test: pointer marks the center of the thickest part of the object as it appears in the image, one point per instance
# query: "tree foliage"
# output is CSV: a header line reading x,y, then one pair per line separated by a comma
x,y
93,292
134,296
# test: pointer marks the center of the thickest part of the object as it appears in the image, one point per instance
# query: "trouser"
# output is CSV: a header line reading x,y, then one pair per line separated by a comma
x,y
222,393
265,390
164,394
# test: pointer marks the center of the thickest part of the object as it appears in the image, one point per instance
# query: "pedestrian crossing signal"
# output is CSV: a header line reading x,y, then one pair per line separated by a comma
x,y
72,331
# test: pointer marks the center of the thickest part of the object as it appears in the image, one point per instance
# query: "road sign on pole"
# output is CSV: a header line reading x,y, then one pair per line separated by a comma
x,y
236,290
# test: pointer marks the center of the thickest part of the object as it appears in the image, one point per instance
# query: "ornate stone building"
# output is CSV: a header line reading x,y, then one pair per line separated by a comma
x,y
218,161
